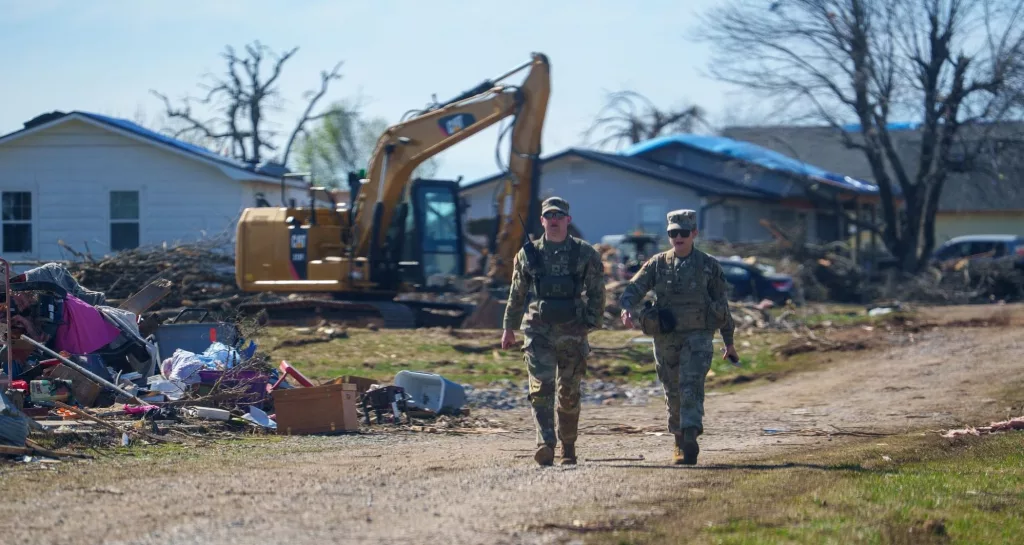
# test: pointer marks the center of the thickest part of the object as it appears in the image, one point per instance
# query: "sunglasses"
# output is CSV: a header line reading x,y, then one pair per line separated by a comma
x,y
554,215
673,233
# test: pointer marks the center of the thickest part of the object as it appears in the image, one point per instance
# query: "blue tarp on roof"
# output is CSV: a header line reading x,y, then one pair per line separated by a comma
x,y
902,126
124,124
752,153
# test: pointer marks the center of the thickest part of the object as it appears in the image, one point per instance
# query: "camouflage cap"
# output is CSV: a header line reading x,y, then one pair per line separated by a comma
x,y
682,219
554,203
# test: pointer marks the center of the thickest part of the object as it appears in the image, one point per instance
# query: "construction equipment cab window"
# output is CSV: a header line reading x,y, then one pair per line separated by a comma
x,y
433,244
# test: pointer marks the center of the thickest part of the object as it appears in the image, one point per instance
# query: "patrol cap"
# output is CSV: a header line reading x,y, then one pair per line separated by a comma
x,y
682,219
555,203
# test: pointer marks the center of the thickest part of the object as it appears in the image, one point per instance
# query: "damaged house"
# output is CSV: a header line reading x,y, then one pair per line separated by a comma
x,y
732,184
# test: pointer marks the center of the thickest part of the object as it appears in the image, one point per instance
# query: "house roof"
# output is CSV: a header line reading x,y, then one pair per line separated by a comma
x,y
993,188
752,153
260,171
699,182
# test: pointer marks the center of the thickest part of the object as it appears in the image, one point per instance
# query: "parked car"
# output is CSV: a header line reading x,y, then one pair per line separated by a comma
x,y
981,247
633,249
756,282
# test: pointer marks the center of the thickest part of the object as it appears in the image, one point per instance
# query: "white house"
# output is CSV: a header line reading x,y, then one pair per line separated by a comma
x,y
89,179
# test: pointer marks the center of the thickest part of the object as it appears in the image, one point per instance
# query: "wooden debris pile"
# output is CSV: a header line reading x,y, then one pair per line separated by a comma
x,y
967,281
202,274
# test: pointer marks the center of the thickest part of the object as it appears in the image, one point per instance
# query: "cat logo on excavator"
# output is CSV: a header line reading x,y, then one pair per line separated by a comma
x,y
452,124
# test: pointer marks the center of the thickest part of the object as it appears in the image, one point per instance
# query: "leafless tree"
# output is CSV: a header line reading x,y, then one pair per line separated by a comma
x,y
953,65
242,97
629,118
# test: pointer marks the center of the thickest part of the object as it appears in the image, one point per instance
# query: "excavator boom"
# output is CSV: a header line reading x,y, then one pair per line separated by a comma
x,y
406,145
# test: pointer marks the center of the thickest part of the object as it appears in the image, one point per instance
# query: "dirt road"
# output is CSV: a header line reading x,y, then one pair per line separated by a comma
x,y
440,488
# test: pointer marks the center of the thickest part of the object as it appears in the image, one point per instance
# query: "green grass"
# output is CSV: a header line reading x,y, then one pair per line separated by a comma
x,y
475,357
930,490
972,494
816,315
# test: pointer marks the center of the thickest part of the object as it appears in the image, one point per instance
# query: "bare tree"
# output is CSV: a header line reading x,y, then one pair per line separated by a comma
x,y
243,97
953,65
629,117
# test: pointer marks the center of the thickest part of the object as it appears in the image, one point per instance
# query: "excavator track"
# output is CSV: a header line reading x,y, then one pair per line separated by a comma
x,y
393,314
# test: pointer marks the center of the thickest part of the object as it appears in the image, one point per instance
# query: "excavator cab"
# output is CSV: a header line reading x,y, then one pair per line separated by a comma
x,y
433,251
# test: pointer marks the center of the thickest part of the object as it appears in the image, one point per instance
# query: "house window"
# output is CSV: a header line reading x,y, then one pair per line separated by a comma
x,y
652,217
124,220
731,223
17,219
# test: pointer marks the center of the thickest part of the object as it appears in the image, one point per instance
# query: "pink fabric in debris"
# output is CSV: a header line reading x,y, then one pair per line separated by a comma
x,y
84,329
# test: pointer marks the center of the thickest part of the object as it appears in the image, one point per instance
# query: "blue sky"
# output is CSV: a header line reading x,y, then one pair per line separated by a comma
x,y
104,56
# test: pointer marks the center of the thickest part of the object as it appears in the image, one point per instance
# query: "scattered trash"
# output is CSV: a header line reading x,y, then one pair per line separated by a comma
x,y
995,427
260,418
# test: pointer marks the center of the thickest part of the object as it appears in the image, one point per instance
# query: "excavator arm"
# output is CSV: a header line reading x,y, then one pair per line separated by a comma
x,y
408,144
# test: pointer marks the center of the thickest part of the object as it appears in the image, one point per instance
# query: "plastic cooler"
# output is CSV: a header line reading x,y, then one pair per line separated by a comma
x,y
431,391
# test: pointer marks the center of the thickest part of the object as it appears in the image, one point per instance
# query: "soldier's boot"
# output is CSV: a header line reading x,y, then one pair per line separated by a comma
x,y
545,419
545,455
689,446
568,454
677,452
567,426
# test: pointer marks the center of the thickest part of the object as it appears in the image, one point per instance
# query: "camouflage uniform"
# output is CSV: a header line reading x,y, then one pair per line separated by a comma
x,y
691,294
556,326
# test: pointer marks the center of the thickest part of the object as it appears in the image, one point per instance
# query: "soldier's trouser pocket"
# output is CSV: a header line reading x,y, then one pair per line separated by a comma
x,y
541,365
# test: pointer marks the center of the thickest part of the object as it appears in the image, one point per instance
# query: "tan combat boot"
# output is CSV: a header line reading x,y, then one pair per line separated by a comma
x,y
568,454
677,452
545,455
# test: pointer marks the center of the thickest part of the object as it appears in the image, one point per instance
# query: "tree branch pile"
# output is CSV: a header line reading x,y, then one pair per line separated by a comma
x,y
202,274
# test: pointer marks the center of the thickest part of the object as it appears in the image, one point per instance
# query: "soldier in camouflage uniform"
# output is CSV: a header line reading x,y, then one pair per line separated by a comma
x,y
556,269
690,303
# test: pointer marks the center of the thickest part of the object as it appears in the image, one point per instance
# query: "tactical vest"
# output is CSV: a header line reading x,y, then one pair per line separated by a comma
x,y
558,295
684,292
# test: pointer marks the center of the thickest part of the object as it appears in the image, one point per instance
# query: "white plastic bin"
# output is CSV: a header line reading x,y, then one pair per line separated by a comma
x,y
431,391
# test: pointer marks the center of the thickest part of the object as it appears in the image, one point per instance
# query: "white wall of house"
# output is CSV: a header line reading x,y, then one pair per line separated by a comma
x,y
88,186
604,200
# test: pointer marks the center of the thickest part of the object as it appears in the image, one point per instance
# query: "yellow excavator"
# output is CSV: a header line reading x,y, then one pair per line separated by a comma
x,y
395,233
